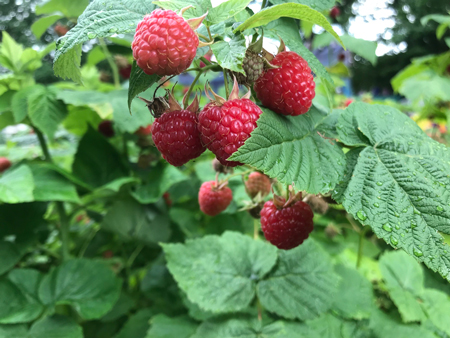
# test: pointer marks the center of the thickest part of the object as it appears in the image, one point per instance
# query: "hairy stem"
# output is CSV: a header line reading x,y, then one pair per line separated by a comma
x,y
188,94
225,81
111,62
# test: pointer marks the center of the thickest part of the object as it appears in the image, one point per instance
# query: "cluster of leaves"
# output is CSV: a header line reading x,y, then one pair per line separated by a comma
x,y
210,278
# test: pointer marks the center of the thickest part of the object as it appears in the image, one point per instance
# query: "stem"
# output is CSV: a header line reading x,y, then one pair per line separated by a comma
x,y
287,192
134,255
111,62
225,81
264,3
255,229
209,33
205,61
360,249
64,220
193,84
213,67
237,174
88,241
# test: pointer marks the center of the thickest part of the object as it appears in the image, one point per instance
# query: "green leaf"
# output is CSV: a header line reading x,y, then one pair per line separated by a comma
x,y
199,7
16,185
79,119
406,73
230,54
10,52
436,304
363,48
290,10
137,326
353,283
70,9
89,286
21,219
318,5
404,281
56,327
397,181
10,255
45,111
13,331
20,103
302,274
100,19
97,162
52,186
159,180
384,325
220,273
42,24
226,10
19,296
293,150
439,18
139,82
165,327
121,308
133,221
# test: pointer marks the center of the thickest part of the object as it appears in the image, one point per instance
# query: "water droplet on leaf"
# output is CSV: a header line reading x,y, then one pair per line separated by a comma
x,y
387,227
417,252
361,215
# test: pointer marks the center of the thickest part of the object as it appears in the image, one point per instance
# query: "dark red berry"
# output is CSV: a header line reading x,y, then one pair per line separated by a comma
x,y
144,131
61,30
288,90
106,128
258,183
167,199
335,12
164,43
125,72
4,164
214,199
286,227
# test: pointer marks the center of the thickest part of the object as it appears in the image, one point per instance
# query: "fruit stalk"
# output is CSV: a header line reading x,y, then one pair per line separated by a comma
x,y
111,62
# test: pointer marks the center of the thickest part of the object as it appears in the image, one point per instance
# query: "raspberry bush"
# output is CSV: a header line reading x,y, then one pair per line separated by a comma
x,y
191,181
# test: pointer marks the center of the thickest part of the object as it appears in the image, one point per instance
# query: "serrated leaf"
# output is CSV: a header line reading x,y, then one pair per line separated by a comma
x,y
16,185
397,182
293,150
134,221
20,104
220,273
13,331
10,254
353,283
166,327
19,294
56,327
290,10
199,7
404,281
137,325
318,5
230,54
70,9
139,82
100,19
89,286
42,24
301,285
45,111
226,10
436,304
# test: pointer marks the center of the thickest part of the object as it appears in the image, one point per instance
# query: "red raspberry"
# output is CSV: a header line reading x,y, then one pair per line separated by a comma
x,y
287,227
214,199
4,164
287,90
335,12
106,128
144,131
167,199
175,133
125,71
61,30
164,43
258,183
348,102
225,125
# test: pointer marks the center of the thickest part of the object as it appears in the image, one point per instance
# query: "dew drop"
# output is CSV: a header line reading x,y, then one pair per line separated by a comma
x,y
405,210
394,241
387,227
413,225
351,194
113,29
376,205
417,212
91,35
439,208
380,183
417,252
402,234
397,227
361,215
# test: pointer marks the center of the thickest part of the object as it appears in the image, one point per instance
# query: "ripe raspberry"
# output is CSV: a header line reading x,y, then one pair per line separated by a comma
x,y
106,128
225,125
175,133
144,131
335,12
348,102
287,227
258,183
214,199
61,30
287,90
164,43
125,72
4,164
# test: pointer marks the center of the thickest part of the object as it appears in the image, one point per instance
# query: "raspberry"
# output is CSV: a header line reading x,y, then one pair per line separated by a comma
x,y
335,12
164,43
4,164
214,199
106,128
175,133
348,102
144,131
286,227
167,199
61,30
287,90
258,183
225,125
253,66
